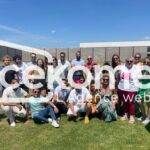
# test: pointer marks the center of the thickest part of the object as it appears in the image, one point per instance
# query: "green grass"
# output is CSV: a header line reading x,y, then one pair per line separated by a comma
x,y
75,136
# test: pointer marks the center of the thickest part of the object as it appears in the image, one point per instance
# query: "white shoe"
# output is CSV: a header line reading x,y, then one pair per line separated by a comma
x,y
124,118
146,121
50,120
55,124
13,124
139,119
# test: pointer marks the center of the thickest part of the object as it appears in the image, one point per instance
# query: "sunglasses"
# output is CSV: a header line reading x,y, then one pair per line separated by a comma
x,y
137,57
116,58
36,92
129,61
105,79
146,62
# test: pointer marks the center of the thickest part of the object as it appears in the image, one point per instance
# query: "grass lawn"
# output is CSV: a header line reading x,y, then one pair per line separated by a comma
x,y
75,136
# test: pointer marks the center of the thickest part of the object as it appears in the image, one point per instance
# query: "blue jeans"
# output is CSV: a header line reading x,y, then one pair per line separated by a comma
x,y
43,115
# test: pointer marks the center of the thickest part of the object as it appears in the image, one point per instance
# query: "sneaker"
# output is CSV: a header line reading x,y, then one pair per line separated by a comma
x,y
86,120
124,118
139,119
80,118
13,124
55,124
131,120
146,121
50,120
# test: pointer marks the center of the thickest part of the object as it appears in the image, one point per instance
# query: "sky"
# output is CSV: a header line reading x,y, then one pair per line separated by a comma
x,y
67,23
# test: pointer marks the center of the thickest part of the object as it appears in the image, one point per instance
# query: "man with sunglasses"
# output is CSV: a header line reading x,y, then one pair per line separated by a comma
x,y
127,88
39,112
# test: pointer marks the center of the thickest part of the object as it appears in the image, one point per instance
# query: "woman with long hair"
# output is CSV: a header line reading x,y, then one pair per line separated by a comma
x,y
115,60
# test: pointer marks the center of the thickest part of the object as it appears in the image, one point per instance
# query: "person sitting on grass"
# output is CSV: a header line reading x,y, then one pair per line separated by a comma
x,y
95,98
8,105
107,104
39,112
78,102
60,97
49,96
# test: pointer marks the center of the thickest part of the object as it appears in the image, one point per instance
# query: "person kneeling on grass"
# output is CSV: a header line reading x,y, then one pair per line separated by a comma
x,y
39,112
78,102
108,101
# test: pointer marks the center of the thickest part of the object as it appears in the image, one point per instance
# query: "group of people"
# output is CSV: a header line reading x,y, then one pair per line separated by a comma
x,y
126,101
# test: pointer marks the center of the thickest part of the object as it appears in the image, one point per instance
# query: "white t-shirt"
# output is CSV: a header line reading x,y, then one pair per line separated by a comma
x,y
75,62
67,65
79,98
129,78
11,93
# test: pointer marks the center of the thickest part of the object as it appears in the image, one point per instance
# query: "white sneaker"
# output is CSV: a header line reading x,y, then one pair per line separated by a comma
x,y
13,124
55,124
139,119
50,120
146,121
124,118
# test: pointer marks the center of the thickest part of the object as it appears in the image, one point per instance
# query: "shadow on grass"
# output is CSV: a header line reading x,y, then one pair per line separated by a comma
x,y
2,116
148,127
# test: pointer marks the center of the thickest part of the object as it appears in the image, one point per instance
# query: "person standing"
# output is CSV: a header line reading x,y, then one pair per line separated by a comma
x,y
62,62
78,61
127,89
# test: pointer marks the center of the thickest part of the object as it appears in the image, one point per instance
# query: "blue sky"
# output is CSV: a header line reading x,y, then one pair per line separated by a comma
x,y
66,23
